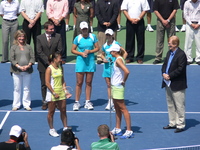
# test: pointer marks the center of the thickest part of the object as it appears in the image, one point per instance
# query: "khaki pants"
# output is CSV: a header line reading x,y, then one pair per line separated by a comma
x,y
176,107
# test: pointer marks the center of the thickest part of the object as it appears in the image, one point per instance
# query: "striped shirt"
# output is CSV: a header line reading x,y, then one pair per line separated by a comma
x,y
104,144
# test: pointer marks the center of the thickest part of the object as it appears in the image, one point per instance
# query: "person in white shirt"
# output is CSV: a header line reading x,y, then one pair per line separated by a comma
x,y
32,11
192,17
9,11
134,11
119,76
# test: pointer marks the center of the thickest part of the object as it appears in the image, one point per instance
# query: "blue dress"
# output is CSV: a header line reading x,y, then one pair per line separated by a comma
x,y
106,69
85,64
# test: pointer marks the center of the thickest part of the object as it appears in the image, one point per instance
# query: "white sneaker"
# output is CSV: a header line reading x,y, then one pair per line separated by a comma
x,y
91,29
119,28
149,28
110,105
76,106
67,27
116,132
88,105
127,134
176,29
74,27
183,28
53,133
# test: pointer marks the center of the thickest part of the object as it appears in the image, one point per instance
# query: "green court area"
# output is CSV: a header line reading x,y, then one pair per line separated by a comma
x,y
150,37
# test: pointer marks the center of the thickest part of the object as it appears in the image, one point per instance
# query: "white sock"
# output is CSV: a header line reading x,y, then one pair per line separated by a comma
x,y
87,101
76,101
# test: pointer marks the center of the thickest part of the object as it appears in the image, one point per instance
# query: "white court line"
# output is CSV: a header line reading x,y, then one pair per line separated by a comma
x,y
101,112
4,119
191,146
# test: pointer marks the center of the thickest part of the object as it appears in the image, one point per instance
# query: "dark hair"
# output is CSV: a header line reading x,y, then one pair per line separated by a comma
x,y
53,56
87,1
68,137
47,24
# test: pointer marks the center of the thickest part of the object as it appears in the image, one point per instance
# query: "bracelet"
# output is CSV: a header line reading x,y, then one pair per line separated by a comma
x,y
168,20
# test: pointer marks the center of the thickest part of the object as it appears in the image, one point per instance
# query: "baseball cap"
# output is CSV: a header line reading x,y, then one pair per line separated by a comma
x,y
83,25
109,31
15,131
114,47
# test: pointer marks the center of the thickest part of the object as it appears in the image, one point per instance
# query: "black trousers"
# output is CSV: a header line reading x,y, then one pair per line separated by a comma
x,y
62,31
43,86
34,32
132,31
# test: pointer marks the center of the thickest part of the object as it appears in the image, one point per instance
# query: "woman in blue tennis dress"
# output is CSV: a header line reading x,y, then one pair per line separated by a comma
x,y
108,59
84,46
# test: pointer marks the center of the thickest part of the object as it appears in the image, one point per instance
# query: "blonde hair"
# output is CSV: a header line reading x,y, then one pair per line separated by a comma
x,y
19,33
175,40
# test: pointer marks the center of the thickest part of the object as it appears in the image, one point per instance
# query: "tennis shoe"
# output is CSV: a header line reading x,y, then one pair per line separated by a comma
x,y
88,105
183,28
176,29
127,135
116,132
67,28
76,106
53,133
110,105
119,28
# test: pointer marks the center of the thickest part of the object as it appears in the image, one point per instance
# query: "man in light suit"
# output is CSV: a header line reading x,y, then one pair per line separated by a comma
x,y
47,44
175,83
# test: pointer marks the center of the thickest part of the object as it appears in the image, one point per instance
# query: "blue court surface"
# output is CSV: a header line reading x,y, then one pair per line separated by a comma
x,y
144,98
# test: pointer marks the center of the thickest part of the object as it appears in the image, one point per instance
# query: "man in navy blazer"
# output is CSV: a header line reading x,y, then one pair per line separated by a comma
x,y
175,83
47,44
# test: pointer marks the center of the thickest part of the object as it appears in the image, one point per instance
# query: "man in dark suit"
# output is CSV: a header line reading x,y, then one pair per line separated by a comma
x,y
175,83
106,12
47,44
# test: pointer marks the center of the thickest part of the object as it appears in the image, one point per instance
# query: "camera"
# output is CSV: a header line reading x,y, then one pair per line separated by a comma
x,y
21,137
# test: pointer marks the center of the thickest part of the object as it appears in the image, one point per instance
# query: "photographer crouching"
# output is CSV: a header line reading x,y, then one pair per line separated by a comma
x,y
17,135
107,141
68,141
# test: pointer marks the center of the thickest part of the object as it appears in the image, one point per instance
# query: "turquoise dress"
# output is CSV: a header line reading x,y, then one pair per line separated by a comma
x,y
85,64
106,68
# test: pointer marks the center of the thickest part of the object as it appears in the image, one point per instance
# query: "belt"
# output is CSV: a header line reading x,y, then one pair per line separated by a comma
x,y
10,20
195,22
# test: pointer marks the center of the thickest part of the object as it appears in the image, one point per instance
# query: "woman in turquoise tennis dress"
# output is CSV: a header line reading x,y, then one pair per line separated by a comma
x,y
108,59
56,92
84,46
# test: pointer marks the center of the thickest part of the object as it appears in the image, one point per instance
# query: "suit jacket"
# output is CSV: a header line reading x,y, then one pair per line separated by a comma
x,y
177,70
44,49
107,13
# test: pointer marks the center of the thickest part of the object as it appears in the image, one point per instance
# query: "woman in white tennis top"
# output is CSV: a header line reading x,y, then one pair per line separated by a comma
x,y
119,76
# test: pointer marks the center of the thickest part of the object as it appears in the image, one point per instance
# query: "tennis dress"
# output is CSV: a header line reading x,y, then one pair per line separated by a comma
x,y
108,56
85,64
56,84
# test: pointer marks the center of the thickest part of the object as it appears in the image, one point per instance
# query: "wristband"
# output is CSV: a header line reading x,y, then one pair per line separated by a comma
x,y
54,93
168,20
18,66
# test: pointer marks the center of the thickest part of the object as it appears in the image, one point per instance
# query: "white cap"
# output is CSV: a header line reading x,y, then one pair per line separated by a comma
x,y
15,131
114,47
83,25
109,31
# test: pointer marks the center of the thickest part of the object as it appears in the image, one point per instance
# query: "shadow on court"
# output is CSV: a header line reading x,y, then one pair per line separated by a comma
x,y
6,102
191,123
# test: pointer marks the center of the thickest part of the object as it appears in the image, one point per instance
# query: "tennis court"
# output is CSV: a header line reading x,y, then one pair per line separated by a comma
x,y
144,99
